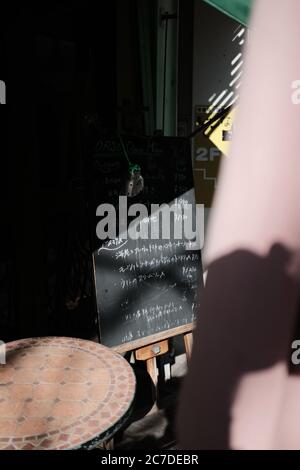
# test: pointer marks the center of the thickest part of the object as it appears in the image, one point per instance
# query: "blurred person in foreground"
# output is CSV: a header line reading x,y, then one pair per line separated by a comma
x,y
242,391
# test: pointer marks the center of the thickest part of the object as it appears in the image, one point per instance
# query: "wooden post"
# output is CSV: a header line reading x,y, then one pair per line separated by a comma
x,y
152,369
188,343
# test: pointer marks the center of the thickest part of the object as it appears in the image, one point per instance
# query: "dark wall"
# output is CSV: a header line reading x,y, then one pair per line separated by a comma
x,y
72,72
60,65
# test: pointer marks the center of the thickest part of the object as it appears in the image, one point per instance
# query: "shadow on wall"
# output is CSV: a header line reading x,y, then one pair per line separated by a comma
x,y
246,324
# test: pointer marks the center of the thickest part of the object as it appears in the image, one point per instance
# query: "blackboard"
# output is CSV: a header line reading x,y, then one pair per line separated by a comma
x,y
145,289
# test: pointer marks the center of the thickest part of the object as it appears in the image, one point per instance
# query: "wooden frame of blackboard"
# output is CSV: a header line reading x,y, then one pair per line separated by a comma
x,y
147,340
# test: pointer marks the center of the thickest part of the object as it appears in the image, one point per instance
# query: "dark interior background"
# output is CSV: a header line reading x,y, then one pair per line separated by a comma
x,y
72,72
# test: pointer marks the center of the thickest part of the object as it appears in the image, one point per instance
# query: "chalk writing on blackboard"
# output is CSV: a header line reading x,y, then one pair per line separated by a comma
x,y
179,220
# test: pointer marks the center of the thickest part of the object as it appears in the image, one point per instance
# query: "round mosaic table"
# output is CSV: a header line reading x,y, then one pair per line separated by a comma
x,y
62,393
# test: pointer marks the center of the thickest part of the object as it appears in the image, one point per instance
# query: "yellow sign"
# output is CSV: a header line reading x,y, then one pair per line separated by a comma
x,y
221,136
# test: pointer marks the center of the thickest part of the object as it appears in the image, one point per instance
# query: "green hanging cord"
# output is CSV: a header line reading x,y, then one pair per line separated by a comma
x,y
124,150
133,167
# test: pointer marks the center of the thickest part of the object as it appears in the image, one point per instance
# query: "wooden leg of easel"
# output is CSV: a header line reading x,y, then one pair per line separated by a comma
x,y
149,354
152,369
188,342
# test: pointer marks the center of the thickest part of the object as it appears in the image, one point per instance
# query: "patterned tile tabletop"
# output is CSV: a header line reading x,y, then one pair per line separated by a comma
x,y
61,393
